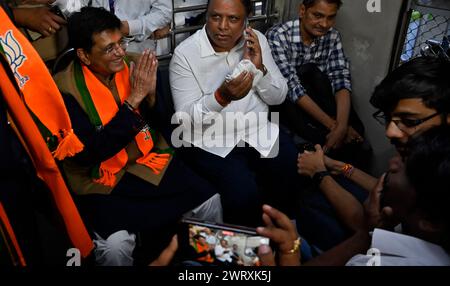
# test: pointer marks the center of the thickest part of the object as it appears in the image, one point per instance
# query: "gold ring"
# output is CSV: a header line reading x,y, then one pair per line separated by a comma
x,y
50,29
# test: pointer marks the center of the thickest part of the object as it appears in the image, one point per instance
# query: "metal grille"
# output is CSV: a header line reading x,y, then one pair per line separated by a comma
x,y
423,27
262,14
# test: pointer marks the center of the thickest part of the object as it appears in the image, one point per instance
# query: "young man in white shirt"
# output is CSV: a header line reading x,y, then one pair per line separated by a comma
x,y
205,97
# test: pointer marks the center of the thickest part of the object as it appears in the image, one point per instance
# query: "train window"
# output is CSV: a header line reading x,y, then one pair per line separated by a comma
x,y
426,31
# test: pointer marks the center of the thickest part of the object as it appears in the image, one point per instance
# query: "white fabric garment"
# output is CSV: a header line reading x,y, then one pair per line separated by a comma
x,y
185,15
223,254
211,210
116,250
402,250
197,71
143,17
246,65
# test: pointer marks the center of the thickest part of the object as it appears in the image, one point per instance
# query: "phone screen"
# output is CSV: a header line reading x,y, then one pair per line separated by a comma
x,y
222,245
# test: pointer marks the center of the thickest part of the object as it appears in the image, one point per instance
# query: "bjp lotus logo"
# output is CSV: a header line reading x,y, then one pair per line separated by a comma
x,y
14,55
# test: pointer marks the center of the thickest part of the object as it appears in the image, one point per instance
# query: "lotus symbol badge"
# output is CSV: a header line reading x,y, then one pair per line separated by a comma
x,y
14,55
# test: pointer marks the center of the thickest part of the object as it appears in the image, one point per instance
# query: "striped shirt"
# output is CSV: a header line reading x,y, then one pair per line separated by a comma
x,y
289,52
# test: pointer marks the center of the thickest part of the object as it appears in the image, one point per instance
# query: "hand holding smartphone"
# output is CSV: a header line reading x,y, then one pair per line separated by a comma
x,y
219,244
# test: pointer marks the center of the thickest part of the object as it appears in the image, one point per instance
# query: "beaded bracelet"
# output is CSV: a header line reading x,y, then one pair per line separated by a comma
x,y
347,170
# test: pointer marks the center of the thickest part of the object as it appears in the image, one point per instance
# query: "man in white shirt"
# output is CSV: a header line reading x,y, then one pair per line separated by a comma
x,y
395,249
223,252
219,111
141,19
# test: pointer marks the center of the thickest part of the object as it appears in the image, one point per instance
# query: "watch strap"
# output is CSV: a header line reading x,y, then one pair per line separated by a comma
x,y
318,177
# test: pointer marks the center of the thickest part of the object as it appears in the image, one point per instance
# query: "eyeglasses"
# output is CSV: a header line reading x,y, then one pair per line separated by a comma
x,y
402,123
123,44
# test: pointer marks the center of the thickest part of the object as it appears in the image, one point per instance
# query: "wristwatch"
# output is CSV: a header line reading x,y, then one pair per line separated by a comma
x,y
318,177
264,70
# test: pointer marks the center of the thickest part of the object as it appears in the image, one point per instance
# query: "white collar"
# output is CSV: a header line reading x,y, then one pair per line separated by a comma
x,y
206,49
400,245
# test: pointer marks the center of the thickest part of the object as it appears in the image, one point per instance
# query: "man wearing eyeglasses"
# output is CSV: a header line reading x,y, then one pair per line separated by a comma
x,y
412,99
125,177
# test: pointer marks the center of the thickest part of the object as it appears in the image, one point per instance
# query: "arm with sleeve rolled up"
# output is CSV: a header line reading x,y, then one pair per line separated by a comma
x,y
336,137
296,92
338,71
144,26
283,59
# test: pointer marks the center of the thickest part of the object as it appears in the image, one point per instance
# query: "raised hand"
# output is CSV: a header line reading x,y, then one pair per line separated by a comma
x,y
377,217
280,229
253,49
143,79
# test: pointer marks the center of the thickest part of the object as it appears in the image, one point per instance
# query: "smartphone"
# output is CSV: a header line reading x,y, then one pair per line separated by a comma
x,y
207,243
245,27
306,146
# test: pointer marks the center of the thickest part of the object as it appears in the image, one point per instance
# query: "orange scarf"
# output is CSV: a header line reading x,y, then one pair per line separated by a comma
x,y
204,248
40,92
102,107
43,160
15,252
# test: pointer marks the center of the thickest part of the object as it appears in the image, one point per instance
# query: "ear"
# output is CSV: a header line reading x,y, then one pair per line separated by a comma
x,y
302,11
83,56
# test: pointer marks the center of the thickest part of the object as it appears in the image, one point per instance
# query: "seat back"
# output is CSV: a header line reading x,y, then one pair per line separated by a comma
x,y
63,60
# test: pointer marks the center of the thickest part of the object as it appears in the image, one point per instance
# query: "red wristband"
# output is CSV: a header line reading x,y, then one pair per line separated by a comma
x,y
220,99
